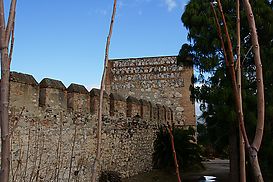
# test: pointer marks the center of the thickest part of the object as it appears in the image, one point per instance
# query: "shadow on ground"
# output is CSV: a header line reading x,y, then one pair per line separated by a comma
x,y
217,167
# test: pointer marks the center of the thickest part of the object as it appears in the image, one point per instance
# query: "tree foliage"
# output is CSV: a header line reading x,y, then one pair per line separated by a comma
x,y
215,92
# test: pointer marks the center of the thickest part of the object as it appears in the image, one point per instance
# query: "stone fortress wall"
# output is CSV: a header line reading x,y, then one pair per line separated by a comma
x,y
156,79
53,130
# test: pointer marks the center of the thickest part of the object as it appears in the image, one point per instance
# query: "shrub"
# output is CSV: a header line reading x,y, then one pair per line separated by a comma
x,y
110,176
187,151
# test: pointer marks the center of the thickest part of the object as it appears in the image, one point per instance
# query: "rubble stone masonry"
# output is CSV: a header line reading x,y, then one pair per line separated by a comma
x,y
156,79
53,129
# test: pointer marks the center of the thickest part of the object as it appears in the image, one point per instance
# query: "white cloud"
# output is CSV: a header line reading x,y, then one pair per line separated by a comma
x,y
171,4
100,12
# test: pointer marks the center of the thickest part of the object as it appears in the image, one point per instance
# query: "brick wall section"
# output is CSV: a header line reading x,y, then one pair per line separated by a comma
x,y
155,79
55,136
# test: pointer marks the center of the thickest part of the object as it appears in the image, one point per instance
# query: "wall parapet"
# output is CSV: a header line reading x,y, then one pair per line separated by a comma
x,y
78,98
51,93
76,88
51,83
24,91
95,99
60,121
23,78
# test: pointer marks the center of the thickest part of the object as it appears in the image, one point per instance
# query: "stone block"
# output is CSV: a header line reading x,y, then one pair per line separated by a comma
x,y
118,105
145,109
53,94
24,91
133,107
78,98
95,101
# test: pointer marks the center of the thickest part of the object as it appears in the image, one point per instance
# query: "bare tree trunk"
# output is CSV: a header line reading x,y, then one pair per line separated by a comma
x,y
239,83
5,32
102,88
174,154
232,140
259,76
254,148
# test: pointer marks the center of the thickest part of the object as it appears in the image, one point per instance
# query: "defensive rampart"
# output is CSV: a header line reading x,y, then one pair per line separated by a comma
x,y
54,130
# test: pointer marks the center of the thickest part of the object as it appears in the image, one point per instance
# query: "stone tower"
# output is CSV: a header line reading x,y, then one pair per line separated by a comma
x,y
156,79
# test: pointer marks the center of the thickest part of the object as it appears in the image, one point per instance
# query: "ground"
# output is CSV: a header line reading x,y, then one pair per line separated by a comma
x,y
217,167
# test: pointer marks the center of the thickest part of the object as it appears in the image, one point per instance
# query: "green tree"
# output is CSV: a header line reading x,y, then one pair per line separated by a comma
x,y
205,50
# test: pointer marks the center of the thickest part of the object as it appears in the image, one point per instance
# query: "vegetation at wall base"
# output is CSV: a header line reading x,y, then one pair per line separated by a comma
x,y
187,151
211,150
110,176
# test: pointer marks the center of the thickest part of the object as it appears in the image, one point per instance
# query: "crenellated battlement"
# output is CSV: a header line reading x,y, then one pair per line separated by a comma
x,y
52,94
59,124
54,127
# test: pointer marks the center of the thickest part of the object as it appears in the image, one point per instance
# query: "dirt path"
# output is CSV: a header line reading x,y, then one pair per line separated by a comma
x,y
217,167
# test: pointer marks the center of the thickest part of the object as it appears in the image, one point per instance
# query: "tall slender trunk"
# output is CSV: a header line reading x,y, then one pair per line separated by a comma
x,y
253,150
7,34
5,136
174,154
102,88
239,83
259,76
254,147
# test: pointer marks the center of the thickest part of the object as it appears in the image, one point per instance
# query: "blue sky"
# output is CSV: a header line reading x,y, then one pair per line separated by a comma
x,y
65,39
